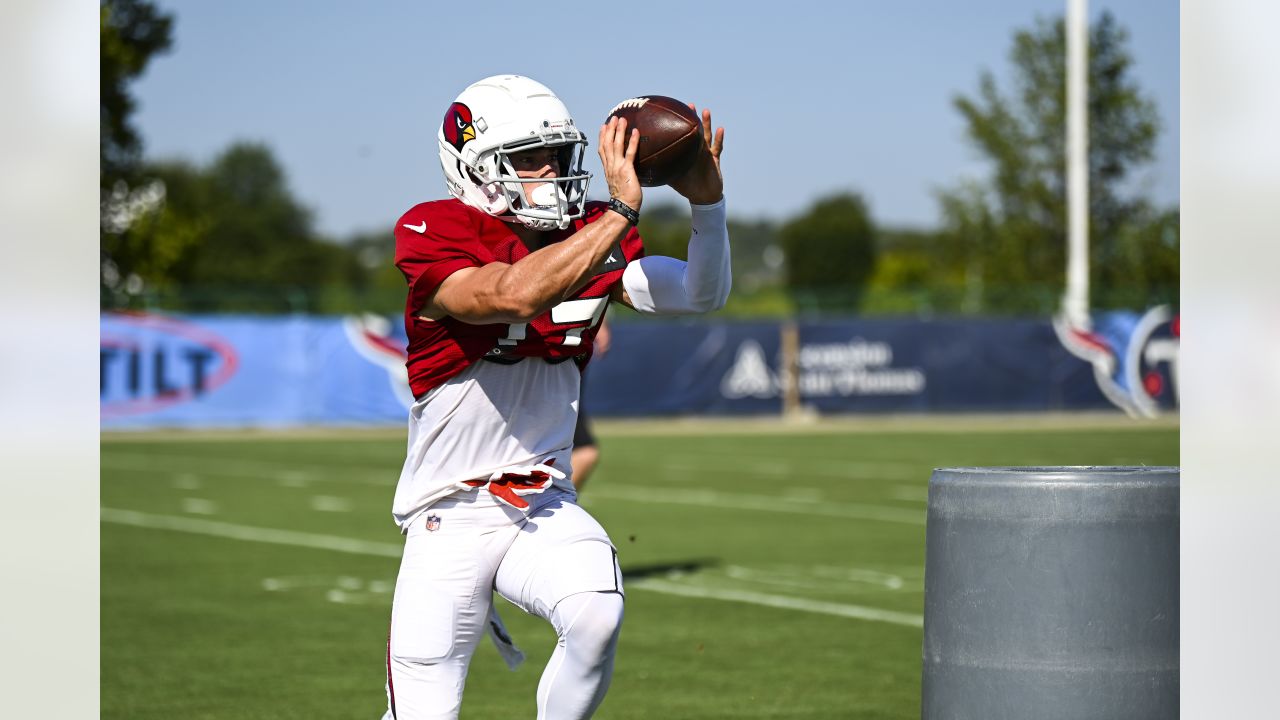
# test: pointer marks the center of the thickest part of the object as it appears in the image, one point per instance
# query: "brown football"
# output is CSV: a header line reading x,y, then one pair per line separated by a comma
x,y
670,136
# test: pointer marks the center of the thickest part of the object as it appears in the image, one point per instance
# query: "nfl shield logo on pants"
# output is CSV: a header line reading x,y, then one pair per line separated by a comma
x,y
433,523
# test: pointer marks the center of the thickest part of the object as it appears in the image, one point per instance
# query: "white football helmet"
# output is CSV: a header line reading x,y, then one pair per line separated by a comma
x,y
506,114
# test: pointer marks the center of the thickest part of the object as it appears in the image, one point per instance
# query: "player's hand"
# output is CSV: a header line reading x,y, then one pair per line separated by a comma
x,y
618,155
703,184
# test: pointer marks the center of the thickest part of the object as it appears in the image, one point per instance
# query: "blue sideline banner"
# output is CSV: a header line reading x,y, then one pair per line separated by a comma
x,y
254,371
676,368
846,366
249,371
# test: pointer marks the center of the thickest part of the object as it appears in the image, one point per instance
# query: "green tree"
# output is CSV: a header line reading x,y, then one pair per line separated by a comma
x,y
906,275
830,254
232,237
1006,236
665,229
380,286
132,32
257,248
155,231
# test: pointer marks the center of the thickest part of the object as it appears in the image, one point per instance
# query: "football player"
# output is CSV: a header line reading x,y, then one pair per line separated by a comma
x,y
586,451
508,281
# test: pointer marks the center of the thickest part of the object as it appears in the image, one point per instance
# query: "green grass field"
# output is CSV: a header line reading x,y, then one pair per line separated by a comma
x,y
773,572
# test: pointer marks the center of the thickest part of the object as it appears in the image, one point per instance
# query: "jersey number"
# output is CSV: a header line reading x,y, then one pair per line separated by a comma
x,y
587,311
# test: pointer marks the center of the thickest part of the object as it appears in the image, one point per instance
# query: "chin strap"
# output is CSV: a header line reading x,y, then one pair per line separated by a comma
x,y
542,224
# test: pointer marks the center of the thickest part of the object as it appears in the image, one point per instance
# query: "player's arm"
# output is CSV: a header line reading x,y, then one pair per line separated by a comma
x,y
667,285
519,292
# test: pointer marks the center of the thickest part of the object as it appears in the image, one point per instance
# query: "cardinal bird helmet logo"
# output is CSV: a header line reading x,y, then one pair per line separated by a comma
x,y
458,128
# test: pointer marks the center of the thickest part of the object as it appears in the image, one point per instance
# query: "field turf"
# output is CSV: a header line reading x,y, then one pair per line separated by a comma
x,y
772,572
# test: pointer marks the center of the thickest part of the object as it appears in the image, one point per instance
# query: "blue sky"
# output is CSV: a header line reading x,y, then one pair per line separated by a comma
x,y
819,97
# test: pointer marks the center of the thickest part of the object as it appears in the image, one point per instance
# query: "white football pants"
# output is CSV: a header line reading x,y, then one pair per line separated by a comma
x,y
557,563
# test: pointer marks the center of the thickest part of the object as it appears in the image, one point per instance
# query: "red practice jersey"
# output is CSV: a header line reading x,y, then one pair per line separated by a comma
x,y
435,239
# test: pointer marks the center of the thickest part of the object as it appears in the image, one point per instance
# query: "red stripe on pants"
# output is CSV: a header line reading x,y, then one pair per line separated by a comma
x,y
391,688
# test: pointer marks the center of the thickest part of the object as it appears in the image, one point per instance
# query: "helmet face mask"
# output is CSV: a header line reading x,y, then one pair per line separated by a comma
x,y
496,118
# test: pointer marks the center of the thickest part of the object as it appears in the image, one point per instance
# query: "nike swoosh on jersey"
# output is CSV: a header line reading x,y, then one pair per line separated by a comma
x,y
419,228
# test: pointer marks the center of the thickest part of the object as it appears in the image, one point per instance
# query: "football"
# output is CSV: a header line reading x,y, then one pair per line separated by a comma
x,y
670,136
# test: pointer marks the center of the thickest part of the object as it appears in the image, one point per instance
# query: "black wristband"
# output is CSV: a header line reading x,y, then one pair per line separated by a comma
x,y
624,210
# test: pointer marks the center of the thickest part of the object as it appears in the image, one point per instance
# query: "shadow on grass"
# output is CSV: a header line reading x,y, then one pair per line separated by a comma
x,y
638,572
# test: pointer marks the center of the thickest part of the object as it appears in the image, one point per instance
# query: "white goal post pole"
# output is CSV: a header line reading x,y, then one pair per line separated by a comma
x,y
1075,302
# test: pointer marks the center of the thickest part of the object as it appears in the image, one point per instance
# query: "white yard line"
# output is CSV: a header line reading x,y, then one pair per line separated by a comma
x,y
290,470
199,506
850,471
393,550
329,503
251,534
287,472
769,462
858,612
765,503
821,579
967,423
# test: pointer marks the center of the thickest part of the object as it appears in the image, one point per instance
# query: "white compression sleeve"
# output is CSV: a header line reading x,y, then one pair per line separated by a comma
x,y
577,676
667,285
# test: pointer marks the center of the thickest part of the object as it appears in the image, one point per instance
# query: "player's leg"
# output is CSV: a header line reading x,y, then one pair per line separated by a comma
x,y
584,460
577,676
586,453
440,611
563,568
